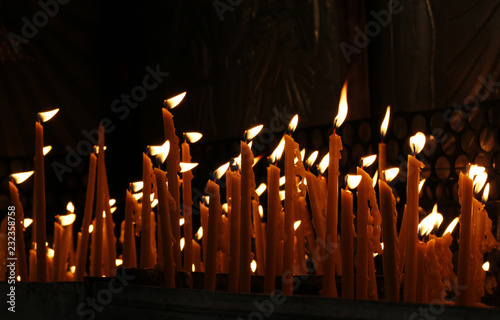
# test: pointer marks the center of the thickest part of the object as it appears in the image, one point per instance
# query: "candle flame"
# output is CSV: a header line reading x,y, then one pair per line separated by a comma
x,y
323,165
50,252
199,233
353,180
46,116
174,101
486,193
376,253
193,268
181,222
420,185
137,196
480,181
67,219
154,203
257,159
113,209
392,173
296,224
486,266
302,153
46,150
182,243
253,132
187,166
163,153
293,123
112,202
27,222
385,123
237,162
70,207
368,160
225,207
278,152
118,262
261,212
260,190
282,180
253,266
474,170
433,220
312,158
193,137
417,142
91,228
342,113
221,170
96,148
20,177
72,269
282,195
207,200
137,186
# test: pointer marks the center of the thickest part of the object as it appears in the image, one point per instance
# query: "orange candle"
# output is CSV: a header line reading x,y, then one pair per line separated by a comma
x,y
110,257
32,270
300,236
273,211
465,196
259,246
196,256
290,190
318,217
214,210
128,236
58,254
362,251
382,155
309,233
421,290
347,247
204,225
19,224
234,262
187,201
40,205
173,166
402,245
246,218
166,231
146,257
97,234
87,217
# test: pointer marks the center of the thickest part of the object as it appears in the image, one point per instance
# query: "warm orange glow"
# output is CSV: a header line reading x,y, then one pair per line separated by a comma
x,y
27,222
296,224
70,207
342,114
375,178
67,219
420,185
417,142
353,180
376,253
479,181
278,152
182,243
282,195
293,123
486,193
451,226
323,165
486,266
193,268
253,132
474,170
50,252
96,148
368,160
312,158
154,203
181,222
187,166
221,170
137,196
193,137
207,200
433,220
261,212
137,186
20,177
112,202
163,153
46,116
113,209
199,233
118,262
46,150
282,180
257,159
392,173
385,123
260,190
253,266
302,154
91,228
174,101
72,269
225,208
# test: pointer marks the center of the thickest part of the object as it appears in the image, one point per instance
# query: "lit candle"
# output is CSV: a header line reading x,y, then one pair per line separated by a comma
x,y
421,289
246,218
329,283
259,246
214,211
413,178
33,269
146,258
58,254
187,201
196,256
129,237
382,162
110,256
40,205
318,220
290,189
19,225
234,262
97,234
204,228
362,252
273,212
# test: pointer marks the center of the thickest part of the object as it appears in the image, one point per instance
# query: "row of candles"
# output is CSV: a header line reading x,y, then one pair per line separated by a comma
x,y
284,242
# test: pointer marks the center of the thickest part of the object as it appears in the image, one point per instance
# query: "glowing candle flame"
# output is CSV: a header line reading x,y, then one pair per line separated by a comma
x,y
72,269
137,196
278,152
20,177
96,148
368,161
420,185
67,219
323,165
46,116
282,195
486,193
353,180
391,173
193,137
154,203
260,190
199,233
296,224
70,207
174,101
91,228
182,243
375,178
50,252
253,266
193,268
486,266
118,262
257,159
293,123
165,149
417,142
480,181
113,209
376,253
207,200
474,170
112,202
27,222
137,186
261,212
221,170
385,123
433,220
302,153
282,180
187,166
253,132
342,114
181,222
46,150
312,158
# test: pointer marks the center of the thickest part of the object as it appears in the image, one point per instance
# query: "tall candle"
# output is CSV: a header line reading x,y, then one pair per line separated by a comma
x,y
204,225
290,189
166,231
259,246
19,224
40,205
402,244
87,217
273,211
129,237
421,289
214,210
347,247
246,222
318,220
234,262
173,166
97,234
58,254
362,251
465,196
33,269
110,234
196,256
382,155
146,258
187,206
